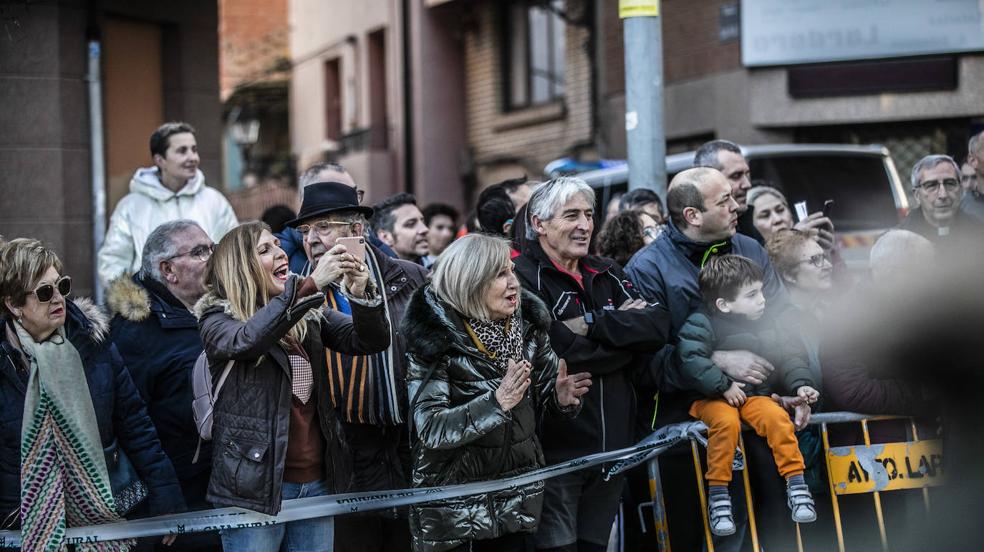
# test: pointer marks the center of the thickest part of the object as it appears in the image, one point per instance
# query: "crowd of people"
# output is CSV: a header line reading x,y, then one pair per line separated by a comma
x,y
367,348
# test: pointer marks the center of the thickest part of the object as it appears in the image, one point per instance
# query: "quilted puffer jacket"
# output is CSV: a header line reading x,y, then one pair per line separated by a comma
x,y
702,334
252,412
460,433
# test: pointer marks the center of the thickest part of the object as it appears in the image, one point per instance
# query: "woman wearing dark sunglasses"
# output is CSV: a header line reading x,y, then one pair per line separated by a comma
x,y
91,456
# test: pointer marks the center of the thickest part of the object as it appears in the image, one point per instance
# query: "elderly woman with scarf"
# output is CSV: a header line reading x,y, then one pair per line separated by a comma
x,y
68,458
481,372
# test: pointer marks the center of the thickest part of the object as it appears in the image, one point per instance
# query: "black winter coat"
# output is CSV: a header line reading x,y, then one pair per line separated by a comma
x,y
159,341
614,350
462,435
252,413
120,413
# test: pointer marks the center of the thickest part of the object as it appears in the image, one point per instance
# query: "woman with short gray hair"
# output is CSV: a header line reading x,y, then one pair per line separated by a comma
x,y
480,368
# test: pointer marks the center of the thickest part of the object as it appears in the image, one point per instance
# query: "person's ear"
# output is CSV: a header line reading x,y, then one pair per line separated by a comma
x,y
692,215
166,269
11,307
358,228
385,237
915,196
158,160
722,305
538,225
507,227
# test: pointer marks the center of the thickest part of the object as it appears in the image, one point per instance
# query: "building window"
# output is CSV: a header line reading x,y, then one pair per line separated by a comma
x,y
333,99
533,61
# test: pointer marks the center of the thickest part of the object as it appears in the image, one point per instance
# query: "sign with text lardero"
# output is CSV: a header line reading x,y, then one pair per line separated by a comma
x,y
788,32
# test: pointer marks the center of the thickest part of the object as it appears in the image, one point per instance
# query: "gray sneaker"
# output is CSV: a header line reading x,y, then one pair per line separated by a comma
x,y
720,516
801,504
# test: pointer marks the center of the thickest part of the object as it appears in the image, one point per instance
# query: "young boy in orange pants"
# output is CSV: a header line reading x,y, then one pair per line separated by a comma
x,y
734,318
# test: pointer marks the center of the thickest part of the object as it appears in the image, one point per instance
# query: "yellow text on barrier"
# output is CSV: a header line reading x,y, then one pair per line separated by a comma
x,y
886,467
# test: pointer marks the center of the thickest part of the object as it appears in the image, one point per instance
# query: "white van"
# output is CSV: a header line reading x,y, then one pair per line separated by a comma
x,y
868,195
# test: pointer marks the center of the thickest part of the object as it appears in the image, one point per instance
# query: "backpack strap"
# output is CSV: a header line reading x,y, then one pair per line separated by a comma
x,y
215,395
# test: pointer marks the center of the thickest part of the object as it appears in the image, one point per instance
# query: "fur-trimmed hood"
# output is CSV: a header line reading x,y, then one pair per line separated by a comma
x,y
432,328
127,298
90,315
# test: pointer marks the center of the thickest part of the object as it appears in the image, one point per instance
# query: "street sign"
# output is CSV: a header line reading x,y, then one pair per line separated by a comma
x,y
886,467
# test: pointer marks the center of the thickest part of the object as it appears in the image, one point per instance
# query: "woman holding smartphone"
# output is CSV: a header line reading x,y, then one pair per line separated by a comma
x,y
275,433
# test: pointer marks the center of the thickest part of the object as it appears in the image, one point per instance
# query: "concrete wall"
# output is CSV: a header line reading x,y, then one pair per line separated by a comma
x,y
44,149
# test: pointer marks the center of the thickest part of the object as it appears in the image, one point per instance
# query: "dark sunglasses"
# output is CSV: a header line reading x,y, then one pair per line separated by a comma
x,y
46,292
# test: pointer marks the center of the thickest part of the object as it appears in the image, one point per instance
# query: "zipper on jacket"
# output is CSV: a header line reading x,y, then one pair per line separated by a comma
x,y
604,433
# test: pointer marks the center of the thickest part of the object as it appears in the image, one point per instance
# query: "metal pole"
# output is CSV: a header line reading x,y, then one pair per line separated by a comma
x,y
97,162
644,94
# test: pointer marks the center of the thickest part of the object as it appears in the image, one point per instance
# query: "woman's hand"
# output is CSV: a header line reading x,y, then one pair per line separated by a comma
x,y
168,540
570,388
820,228
513,387
333,265
798,406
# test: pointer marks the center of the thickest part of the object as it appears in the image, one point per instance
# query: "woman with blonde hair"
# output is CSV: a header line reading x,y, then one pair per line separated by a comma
x,y
480,372
275,433
68,458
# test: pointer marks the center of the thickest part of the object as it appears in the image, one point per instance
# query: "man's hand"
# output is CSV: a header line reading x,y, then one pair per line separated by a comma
x,y
630,304
355,281
819,228
807,393
798,406
570,388
512,389
333,265
168,540
743,366
734,395
577,325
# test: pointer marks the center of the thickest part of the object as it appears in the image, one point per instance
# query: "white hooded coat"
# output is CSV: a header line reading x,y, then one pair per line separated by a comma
x,y
150,204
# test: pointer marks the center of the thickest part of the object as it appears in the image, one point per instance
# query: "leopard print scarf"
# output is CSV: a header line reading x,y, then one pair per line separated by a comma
x,y
499,340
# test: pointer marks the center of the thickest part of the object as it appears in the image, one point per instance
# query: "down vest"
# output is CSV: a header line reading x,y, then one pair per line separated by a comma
x,y
120,413
252,413
462,435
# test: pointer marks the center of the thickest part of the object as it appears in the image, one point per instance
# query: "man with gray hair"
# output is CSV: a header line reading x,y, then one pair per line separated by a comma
x,y
157,336
937,193
601,325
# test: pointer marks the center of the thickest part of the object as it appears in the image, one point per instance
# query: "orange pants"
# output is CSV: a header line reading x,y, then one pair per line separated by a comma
x,y
767,418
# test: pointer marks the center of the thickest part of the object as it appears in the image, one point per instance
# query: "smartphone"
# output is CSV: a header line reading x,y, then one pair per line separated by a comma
x,y
801,211
356,245
827,207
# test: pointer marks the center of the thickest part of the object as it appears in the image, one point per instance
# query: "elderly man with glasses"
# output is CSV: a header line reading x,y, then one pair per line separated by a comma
x,y
937,193
157,336
369,392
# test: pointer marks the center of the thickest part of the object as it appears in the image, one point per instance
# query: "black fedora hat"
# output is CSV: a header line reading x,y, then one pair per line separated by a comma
x,y
322,198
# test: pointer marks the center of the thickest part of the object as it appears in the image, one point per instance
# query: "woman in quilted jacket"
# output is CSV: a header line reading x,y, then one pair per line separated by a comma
x,y
480,372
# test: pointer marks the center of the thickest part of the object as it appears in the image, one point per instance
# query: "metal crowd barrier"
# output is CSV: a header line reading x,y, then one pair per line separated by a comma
x,y
850,470
857,469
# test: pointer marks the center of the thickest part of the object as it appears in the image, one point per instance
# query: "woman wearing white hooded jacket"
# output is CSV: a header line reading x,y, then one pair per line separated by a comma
x,y
174,188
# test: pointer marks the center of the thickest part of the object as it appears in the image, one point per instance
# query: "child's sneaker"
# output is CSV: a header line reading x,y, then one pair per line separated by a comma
x,y
720,516
801,504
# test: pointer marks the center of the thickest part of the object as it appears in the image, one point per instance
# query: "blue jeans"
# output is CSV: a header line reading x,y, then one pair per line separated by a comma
x,y
309,535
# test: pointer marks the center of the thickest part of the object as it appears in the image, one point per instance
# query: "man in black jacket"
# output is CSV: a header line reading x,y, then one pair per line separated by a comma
x,y
157,336
600,325
373,412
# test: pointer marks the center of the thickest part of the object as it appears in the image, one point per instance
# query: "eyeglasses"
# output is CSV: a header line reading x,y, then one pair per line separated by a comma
x,y
201,253
46,292
818,260
322,228
651,232
932,186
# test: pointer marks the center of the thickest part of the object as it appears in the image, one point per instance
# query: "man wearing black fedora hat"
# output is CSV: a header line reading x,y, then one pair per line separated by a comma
x,y
369,392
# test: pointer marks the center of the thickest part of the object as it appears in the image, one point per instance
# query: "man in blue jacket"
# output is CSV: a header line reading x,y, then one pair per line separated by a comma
x,y
157,335
703,215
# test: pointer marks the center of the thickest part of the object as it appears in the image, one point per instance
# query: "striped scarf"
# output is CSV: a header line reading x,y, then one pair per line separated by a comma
x,y
364,389
64,481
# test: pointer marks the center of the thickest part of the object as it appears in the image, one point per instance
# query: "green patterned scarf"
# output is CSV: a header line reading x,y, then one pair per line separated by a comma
x,y
64,481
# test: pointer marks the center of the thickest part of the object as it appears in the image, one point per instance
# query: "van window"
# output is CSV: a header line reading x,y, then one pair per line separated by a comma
x,y
859,186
